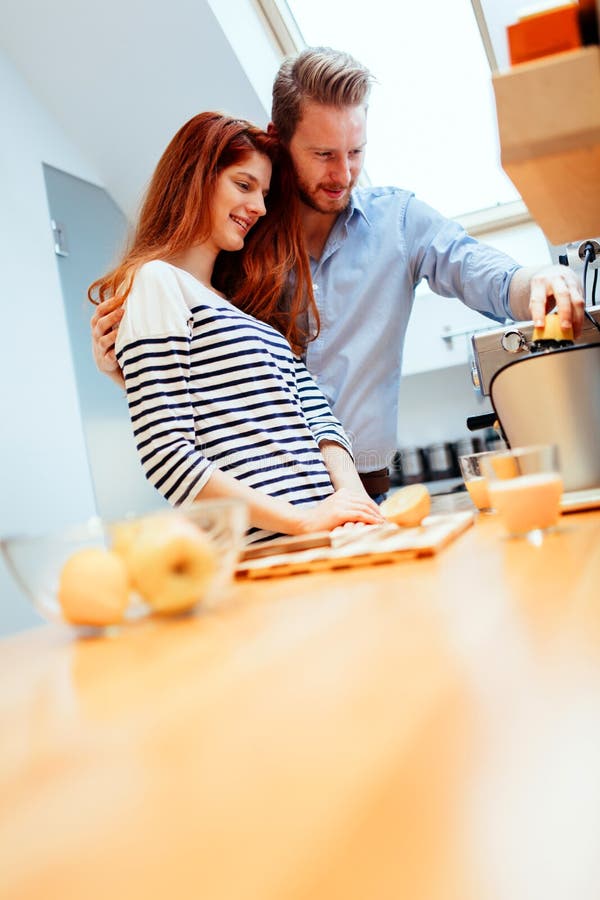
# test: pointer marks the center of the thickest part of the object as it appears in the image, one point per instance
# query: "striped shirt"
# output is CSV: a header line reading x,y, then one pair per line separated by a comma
x,y
210,386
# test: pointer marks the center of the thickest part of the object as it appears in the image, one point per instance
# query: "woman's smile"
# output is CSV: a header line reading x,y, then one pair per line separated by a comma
x,y
239,198
245,224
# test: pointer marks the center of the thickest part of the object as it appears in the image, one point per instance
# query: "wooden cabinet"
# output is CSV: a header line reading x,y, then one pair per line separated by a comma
x,y
549,124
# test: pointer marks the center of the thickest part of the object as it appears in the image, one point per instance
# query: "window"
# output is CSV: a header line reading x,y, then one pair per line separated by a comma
x,y
432,121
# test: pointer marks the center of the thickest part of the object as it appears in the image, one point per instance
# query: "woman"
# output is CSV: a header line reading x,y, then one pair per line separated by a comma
x,y
213,294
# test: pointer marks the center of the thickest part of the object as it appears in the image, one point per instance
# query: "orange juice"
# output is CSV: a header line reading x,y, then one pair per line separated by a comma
x,y
478,492
528,501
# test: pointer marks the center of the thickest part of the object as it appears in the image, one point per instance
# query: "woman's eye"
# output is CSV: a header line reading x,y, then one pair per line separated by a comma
x,y
243,185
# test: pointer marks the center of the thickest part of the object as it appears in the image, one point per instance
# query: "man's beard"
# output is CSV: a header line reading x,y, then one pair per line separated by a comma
x,y
333,206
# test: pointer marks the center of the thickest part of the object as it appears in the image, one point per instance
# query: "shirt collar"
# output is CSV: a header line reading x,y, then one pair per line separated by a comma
x,y
356,204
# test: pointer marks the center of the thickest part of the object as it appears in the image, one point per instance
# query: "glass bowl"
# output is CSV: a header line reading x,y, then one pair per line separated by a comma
x,y
100,575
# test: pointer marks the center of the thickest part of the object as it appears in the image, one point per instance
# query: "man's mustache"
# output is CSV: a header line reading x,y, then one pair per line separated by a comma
x,y
335,187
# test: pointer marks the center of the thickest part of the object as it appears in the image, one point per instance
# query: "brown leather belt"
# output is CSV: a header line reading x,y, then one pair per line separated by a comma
x,y
376,483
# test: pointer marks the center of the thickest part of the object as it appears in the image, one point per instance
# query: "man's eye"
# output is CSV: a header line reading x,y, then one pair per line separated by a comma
x,y
324,155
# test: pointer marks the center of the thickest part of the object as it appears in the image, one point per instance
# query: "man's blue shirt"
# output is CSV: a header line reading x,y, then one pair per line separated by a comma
x,y
378,251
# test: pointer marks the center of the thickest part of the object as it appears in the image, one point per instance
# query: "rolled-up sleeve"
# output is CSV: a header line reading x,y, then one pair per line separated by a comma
x,y
455,264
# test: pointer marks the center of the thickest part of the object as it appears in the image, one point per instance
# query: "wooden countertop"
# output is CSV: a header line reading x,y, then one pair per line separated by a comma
x,y
426,730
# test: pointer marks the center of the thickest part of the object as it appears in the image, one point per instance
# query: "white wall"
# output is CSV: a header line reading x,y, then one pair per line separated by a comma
x,y
122,77
434,406
45,480
248,36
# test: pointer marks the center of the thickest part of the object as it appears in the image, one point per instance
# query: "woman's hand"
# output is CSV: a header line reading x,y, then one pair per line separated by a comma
x,y
337,509
104,324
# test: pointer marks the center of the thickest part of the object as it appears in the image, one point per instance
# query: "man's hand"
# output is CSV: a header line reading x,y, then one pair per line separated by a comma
x,y
534,292
104,324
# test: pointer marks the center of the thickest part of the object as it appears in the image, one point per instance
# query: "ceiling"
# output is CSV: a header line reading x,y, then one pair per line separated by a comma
x,y
121,76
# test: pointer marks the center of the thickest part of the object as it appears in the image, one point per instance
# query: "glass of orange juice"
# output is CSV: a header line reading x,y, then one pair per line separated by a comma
x,y
475,480
525,487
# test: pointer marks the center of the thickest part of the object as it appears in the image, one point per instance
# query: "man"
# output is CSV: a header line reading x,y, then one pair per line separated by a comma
x,y
369,248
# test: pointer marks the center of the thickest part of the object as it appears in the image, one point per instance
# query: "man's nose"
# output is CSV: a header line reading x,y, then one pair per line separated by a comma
x,y
340,171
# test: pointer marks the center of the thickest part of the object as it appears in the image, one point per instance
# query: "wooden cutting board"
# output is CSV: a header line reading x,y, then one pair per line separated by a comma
x,y
359,546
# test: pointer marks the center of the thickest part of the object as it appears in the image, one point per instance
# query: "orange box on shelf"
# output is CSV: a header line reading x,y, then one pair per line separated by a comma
x,y
549,128
544,33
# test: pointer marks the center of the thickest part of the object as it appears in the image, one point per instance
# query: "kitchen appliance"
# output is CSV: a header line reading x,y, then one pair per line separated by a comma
x,y
554,398
543,391
494,349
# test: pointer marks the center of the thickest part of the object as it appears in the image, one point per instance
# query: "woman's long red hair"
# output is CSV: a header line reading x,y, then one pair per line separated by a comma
x,y
270,277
